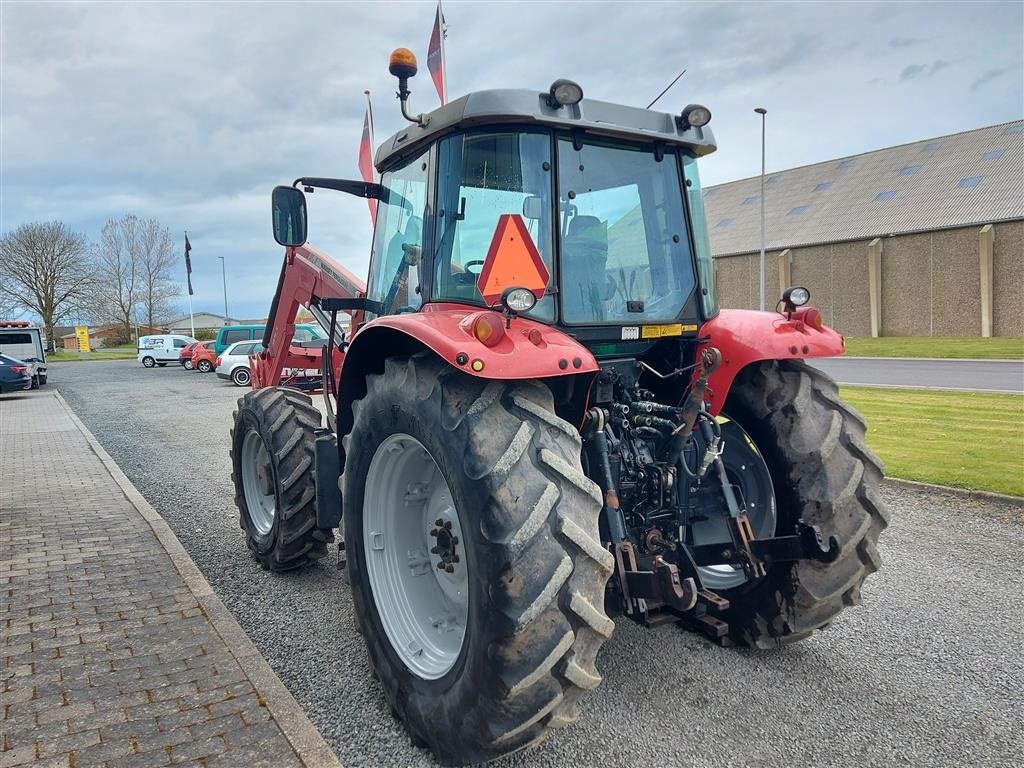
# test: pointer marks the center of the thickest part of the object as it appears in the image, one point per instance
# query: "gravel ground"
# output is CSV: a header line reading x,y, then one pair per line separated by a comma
x,y
928,672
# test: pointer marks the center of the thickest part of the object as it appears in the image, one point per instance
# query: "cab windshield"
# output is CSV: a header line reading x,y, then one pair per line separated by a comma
x,y
625,254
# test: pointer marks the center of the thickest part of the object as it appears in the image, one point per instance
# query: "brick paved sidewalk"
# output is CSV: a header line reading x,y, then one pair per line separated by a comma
x,y
115,650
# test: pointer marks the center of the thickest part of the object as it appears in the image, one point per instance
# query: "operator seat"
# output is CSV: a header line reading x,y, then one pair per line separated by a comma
x,y
584,269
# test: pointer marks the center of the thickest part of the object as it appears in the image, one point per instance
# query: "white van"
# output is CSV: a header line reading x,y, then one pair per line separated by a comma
x,y
22,341
162,349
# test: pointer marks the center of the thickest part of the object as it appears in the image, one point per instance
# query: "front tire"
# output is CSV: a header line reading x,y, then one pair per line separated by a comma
x,y
533,561
148,362
272,468
824,474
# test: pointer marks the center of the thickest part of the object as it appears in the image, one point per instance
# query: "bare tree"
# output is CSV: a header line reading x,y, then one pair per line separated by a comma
x,y
45,269
118,262
156,259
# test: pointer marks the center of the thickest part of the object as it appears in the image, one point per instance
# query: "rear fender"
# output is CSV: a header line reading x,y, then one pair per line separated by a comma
x,y
526,350
747,336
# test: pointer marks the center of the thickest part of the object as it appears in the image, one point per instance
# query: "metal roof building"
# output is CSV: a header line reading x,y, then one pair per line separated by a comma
x,y
936,224
974,177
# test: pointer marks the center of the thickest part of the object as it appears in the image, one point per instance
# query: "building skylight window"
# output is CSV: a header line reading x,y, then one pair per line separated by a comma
x,y
1012,129
931,146
797,210
881,197
723,224
846,164
751,200
710,192
772,180
823,186
993,154
909,170
971,182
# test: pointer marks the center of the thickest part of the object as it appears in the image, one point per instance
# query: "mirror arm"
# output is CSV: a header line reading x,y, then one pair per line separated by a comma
x,y
349,186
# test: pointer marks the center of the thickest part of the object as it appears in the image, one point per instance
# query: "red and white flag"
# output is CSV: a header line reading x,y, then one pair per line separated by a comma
x,y
435,56
366,168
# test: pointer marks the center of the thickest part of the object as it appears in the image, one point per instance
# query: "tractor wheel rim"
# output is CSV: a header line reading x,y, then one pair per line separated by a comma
x,y
256,460
748,473
408,510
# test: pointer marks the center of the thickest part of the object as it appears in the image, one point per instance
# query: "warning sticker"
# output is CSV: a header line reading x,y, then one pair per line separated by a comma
x,y
657,331
630,333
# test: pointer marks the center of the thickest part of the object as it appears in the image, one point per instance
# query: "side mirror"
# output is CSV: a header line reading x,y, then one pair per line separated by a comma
x,y
533,208
288,209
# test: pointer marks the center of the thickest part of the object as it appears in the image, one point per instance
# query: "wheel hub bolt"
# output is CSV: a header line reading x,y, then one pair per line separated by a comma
x,y
445,546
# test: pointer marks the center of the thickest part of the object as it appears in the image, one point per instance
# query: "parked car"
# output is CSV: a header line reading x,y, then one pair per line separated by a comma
x,y
231,334
23,341
234,363
161,349
204,359
15,375
185,356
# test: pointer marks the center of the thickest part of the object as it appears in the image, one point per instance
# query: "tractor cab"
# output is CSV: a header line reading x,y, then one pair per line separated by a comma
x,y
593,208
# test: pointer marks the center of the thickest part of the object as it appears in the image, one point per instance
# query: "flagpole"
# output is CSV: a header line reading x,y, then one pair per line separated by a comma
x,y
191,319
444,69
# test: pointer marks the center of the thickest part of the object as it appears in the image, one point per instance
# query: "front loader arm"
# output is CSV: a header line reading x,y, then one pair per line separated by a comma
x,y
307,275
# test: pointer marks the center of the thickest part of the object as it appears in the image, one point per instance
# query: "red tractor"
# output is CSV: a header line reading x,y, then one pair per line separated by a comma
x,y
540,419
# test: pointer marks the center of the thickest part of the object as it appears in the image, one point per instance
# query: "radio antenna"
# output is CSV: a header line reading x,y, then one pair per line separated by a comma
x,y
666,89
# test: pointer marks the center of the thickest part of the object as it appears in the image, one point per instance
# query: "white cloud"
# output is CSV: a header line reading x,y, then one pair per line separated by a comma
x,y
192,112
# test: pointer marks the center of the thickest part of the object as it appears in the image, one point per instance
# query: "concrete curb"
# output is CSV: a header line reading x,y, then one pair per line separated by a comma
x,y
303,736
914,485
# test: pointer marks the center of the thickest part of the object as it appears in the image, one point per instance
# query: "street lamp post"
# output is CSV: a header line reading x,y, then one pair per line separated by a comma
x,y
223,276
762,112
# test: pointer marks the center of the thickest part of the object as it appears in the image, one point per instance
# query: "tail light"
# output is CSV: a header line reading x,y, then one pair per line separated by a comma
x,y
19,368
217,362
488,329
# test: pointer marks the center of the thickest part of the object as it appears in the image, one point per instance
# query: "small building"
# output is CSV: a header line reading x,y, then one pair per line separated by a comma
x,y
921,239
103,336
209,321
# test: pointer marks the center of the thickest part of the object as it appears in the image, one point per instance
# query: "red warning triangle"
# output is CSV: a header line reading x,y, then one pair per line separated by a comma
x,y
512,260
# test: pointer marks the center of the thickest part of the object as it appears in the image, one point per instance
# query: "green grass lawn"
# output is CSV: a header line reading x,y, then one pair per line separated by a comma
x,y
101,353
1007,348
962,439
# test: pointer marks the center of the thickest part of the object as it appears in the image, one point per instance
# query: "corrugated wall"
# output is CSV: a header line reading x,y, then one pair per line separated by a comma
x,y
930,282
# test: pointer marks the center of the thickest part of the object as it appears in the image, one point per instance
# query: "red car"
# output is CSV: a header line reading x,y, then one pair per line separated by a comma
x,y
185,358
203,357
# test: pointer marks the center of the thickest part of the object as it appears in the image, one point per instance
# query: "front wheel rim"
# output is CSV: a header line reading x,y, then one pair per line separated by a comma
x,y
410,526
257,481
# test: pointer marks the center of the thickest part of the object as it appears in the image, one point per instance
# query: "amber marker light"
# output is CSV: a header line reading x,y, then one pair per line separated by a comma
x,y
488,329
402,63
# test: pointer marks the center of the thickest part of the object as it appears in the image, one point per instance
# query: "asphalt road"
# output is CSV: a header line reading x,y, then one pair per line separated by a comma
x,y
927,672
975,375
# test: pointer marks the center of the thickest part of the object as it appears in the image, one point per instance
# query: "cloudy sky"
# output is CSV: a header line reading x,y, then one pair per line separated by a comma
x,y
192,112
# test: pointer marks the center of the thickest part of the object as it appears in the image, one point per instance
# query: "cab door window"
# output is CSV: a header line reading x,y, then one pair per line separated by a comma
x,y
394,278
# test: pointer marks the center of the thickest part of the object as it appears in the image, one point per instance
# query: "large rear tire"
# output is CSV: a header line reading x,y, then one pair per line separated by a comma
x,y
272,467
824,474
530,553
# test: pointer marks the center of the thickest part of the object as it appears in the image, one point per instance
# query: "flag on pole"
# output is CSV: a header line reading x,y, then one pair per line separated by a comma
x,y
188,264
435,56
366,156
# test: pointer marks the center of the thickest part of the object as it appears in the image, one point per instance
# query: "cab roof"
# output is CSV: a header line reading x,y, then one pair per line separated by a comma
x,y
505,106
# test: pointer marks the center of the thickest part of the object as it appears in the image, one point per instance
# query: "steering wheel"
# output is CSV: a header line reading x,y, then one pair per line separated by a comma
x,y
474,263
